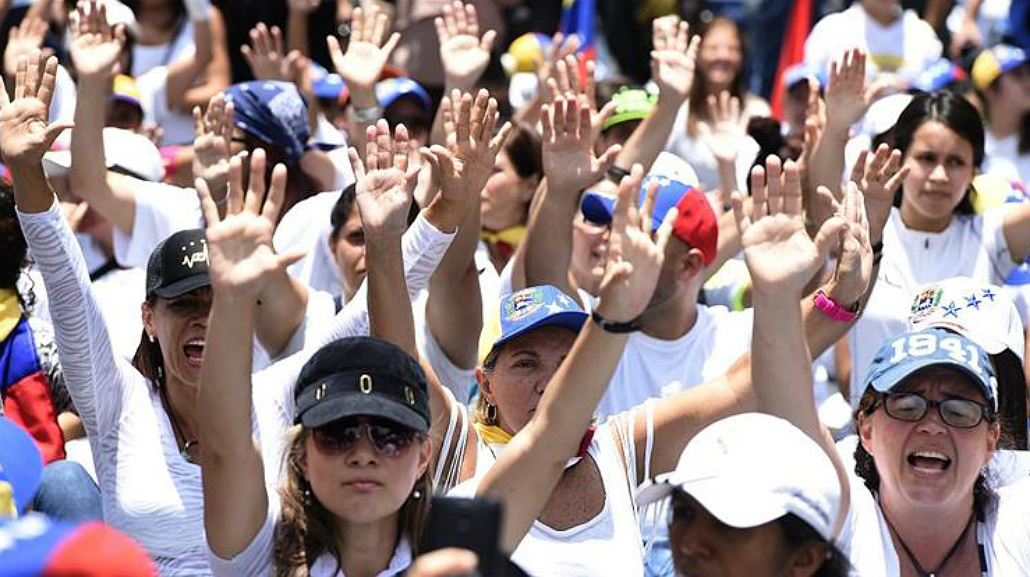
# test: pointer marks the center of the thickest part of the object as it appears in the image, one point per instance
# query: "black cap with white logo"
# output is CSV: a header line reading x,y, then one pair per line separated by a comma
x,y
178,265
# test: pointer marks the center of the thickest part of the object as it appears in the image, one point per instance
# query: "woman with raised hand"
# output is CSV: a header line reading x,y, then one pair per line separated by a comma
x,y
141,419
921,500
356,465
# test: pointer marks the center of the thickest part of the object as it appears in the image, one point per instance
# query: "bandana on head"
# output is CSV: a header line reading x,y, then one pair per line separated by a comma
x,y
272,111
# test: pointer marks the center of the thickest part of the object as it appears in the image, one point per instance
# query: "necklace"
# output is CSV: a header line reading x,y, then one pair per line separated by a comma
x,y
187,444
947,557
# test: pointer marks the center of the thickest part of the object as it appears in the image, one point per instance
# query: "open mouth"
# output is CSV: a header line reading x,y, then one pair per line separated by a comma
x,y
929,462
194,351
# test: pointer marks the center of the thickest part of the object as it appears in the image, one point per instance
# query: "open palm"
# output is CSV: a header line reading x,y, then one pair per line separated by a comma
x,y
96,45
367,53
385,183
25,132
569,161
463,53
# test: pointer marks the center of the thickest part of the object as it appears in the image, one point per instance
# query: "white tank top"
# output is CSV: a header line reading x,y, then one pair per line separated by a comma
x,y
608,544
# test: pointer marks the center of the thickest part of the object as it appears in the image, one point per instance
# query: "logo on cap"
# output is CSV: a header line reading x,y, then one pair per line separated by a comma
x,y
195,256
522,304
926,301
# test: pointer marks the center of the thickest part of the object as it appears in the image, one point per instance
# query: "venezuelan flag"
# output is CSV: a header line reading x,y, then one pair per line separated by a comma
x,y
578,17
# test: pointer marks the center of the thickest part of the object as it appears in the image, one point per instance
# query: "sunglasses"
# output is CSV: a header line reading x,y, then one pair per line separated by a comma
x,y
912,407
389,439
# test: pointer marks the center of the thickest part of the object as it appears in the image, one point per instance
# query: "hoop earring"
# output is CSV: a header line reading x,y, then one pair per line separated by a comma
x,y
491,413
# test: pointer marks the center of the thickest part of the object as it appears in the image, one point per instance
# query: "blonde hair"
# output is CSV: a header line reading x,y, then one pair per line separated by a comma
x,y
307,530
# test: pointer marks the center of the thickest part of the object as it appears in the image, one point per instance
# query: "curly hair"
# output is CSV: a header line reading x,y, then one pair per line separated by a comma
x,y
984,496
307,530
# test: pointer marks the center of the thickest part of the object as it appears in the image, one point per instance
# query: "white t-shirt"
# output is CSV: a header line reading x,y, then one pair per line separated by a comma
x,y
1004,535
148,490
161,210
258,557
609,543
652,367
1002,158
150,69
695,151
904,47
306,226
972,246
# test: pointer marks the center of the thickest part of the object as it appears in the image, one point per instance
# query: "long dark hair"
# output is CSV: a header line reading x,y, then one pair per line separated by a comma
x,y
699,91
798,533
179,17
954,112
13,248
148,359
984,496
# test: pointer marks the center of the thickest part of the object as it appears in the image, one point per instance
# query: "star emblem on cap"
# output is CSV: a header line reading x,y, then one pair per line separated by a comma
x,y
988,294
951,310
973,302
554,308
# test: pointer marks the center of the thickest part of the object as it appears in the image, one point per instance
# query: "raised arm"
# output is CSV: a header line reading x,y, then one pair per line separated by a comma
x,y
569,166
94,49
454,310
529,468
673,61
464,54
360,67
1016,227
210,60
241,262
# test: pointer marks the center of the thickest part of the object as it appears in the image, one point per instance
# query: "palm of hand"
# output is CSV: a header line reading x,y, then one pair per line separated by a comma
x,y
210,156
845,103
92,55
674,75
240,252
725,139
383,202
780,253
568,164
362,63
635,290
462,56
23,125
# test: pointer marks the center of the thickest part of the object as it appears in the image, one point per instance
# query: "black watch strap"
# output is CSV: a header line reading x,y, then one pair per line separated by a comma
x,y
614,327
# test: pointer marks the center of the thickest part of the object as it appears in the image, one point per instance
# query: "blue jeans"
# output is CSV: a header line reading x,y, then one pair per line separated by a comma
x,y
67,492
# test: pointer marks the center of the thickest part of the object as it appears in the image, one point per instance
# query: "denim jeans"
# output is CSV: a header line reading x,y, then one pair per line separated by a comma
x,y
67,492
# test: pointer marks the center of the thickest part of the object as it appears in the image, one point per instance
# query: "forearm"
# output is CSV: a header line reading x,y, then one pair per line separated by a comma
x,y
781,365
529,468
454,310
297,32
549,240
390,317
727,185
235,501
826,168
649,139
183,74
280,312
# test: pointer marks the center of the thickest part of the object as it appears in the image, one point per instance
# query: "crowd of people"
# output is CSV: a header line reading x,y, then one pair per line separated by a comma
x,y
279,280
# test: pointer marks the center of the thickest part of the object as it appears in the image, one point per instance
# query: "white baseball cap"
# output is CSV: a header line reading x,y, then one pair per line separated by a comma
x,y
750,469
979,311
131,152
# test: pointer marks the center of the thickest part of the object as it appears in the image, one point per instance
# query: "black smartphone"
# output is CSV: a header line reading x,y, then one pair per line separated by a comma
x,y
473,524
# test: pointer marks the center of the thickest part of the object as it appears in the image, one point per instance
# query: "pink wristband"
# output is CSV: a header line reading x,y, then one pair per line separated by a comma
x,y
833,310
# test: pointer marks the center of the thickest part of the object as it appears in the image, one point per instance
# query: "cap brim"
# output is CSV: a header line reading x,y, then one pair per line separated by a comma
x,y
21,463
357,404
572,320
183,286
737,506
625,117
656,489
892,377
597,208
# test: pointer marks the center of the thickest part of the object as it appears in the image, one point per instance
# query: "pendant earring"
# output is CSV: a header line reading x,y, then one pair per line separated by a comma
x,y
150,337
491,413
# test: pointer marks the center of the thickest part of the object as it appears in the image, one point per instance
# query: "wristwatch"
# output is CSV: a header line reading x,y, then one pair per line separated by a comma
x,y
615,327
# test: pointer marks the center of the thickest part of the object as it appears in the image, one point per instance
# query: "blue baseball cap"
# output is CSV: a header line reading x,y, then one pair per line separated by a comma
x,y
938,75
21,468
675,179
902,356
800,71
995,61
389,90
535,307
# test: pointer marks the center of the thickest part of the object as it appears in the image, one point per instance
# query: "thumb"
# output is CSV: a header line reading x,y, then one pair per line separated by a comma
x,y
290,258
55,130
828,234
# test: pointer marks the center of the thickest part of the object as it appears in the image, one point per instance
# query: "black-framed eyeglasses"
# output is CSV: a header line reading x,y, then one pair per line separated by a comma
x,y
389,439
912,407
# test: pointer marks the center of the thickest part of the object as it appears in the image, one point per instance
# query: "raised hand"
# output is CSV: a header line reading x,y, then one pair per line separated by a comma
x,y
385,182
468,160
25,131
854,267
22,40
96,45
367,52
879,177
566,82
268,58
463,52
635,257
847,94
727,130
780,255
674,57
240,254
560,47
569,161
212,139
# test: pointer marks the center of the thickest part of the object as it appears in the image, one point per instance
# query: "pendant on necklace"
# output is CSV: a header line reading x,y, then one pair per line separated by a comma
x,y
185,452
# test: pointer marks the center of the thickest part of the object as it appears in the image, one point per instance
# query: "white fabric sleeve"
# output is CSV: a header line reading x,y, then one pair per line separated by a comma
x,y
161,210
318,319
257,557
423,246
995,243
96,378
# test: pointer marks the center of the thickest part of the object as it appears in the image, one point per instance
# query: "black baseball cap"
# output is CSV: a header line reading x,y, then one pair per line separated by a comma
x,y
362,376
178,265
